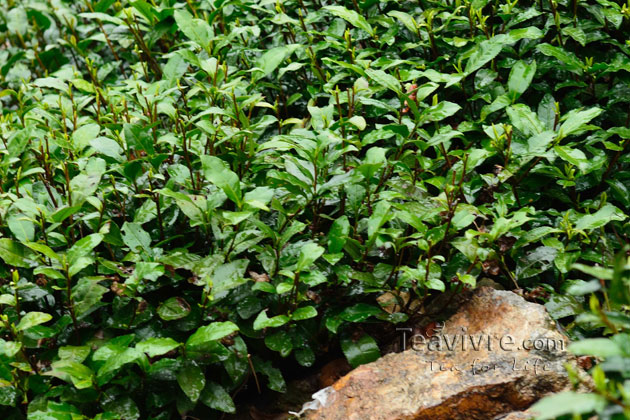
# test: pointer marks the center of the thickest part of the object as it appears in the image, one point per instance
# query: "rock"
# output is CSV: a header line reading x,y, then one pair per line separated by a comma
x,y
515,415
498,354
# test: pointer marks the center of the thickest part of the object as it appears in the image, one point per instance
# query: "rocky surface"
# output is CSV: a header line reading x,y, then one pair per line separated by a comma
x,y
495,357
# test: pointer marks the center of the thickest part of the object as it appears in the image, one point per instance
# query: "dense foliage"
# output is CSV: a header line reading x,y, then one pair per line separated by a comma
x,y
196,196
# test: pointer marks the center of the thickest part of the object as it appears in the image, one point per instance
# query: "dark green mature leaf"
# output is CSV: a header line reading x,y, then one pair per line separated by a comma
x,y
173,308
215,396
361,351
191,380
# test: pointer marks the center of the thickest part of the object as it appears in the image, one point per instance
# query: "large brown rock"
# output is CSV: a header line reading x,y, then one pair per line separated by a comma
x,y
498,354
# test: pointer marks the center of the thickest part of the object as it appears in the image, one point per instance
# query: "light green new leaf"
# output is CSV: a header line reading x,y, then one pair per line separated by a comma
x,y
212,332
271,59
484,52
599,347
440,111
31,319
13,253
136,238
384,79
84,246
520,78
600,218
80,375
567,403
576,119
306,312
218,172
573,156
351,17
262,321
572,63
196,30
157,346
308,254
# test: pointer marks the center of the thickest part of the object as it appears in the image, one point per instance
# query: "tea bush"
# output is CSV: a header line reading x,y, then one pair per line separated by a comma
x,y
197,196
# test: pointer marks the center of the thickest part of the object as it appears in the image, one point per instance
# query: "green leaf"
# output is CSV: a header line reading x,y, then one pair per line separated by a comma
x,y
406,19
9,348
359,312
279,341
567,403
84,246
338,234
75,353
7,299
157,346
521,77
440,111
212,332
31,319
271,59
351,17
136,238
358,121
84,135
573,156
600,218
22,228
13,253
361,351
228,276
217,398
308,254
173,308
599,347
197,30
522,117
107,147
572,63
304,313
484,52
379,217
192,381
81,376
116,361
385,80
218,172
262,321
86,296
44,249
16,20
576,119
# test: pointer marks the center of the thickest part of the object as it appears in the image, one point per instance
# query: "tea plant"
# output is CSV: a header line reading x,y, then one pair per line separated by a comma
x,y
196,196
606,315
